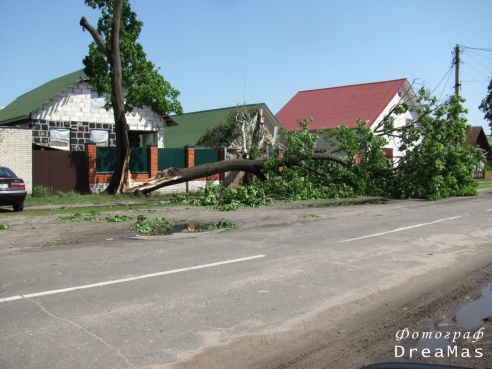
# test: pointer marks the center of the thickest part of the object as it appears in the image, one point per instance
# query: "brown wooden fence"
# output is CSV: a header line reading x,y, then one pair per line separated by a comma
x,y
60,170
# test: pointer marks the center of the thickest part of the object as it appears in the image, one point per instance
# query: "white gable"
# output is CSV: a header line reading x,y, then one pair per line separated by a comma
x,y
75,104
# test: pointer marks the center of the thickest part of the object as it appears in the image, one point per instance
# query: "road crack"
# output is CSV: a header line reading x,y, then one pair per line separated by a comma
x,y
83,329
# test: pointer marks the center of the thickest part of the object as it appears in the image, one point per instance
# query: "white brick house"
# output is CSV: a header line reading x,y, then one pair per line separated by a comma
x,y
65,113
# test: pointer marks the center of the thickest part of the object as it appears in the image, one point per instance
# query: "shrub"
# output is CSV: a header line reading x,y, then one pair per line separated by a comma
x,y
41,191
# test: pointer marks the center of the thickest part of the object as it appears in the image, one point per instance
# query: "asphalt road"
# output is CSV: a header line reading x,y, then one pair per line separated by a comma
x,y
156,301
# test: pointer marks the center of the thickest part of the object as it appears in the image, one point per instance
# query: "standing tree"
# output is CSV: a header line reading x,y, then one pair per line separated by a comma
x,y
486,105
117,66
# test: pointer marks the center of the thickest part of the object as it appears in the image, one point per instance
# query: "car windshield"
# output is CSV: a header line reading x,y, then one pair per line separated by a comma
x,y
6,173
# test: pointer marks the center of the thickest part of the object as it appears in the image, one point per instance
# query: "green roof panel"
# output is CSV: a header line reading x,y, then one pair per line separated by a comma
x,y
34,99
192,126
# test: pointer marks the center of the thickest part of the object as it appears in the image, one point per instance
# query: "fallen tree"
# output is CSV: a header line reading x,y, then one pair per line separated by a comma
x,y
172,176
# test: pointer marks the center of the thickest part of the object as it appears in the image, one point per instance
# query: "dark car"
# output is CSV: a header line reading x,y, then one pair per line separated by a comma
x,y
12,189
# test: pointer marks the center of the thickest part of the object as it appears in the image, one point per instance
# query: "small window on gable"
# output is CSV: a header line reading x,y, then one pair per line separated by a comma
x,y
60,138
100,137
97,101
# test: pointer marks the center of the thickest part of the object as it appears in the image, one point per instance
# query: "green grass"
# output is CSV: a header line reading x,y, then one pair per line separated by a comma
x,y
482,183
73,198
69,203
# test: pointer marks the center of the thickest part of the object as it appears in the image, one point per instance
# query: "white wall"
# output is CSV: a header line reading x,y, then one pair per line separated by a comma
x,y
16,153
408,95
74,104
191,186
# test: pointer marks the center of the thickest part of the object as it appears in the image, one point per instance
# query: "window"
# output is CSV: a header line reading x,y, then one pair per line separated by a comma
x,y
60,138
100,137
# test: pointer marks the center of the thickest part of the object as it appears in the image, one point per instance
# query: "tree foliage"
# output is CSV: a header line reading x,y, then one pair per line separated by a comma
x,y
486,105
142,82
438,165
117,66
435,162
243,131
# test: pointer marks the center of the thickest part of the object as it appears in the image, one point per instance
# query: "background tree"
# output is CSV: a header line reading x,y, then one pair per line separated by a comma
x,y
244,131
117,66
486,105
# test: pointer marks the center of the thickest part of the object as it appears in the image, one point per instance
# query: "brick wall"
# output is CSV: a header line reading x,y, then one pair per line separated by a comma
x,y
74,109
99,181
16,152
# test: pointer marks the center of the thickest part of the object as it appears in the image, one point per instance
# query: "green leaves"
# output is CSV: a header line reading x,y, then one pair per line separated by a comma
x,y
486,105
142,82
438,165
157,226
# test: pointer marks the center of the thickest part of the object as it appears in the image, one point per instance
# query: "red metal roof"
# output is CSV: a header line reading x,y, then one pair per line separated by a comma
x,y
332,107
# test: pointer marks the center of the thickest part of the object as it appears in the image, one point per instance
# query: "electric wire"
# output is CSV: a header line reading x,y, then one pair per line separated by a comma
x,y
447,81
447,73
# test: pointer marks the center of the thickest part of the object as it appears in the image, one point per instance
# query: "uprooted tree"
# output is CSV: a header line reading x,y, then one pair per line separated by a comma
x,y
243,133
118,68
434,163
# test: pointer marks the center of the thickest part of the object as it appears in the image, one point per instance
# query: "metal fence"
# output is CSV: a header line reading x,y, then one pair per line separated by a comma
x,y
168,158
106,159
205,156
63,171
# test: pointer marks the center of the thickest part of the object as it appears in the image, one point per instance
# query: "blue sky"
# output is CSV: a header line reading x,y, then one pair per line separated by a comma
x,y
221,53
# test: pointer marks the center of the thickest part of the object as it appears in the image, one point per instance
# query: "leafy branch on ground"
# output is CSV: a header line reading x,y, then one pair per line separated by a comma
x,y
435,162
157,226
118,218
92,216
221,224
81,217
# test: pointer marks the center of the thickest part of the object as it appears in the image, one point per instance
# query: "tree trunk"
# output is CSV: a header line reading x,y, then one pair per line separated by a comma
x,y
174,176
120,181
255,143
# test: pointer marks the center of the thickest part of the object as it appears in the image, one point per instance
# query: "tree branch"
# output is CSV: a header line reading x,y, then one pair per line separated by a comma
x,y
96,36
173,176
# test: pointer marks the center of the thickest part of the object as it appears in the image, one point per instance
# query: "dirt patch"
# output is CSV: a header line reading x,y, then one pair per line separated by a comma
x,y
30,233
359,333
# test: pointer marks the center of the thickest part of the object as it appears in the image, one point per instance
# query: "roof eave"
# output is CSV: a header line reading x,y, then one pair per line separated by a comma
x,y
16,119
170,122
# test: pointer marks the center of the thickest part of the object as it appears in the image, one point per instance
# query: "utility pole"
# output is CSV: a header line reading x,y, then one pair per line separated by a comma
x,y
457,61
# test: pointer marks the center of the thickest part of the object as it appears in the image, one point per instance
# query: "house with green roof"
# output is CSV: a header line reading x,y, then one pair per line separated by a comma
x,y
66,112
192,126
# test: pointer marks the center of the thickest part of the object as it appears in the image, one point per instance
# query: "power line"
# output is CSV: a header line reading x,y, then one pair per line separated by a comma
x,y
448,72
476,48
447,81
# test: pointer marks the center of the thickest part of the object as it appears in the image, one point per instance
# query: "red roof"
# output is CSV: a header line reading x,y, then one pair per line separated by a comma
x,y
332,107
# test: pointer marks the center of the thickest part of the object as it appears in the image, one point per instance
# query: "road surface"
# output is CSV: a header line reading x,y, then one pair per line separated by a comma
x,y
258,296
